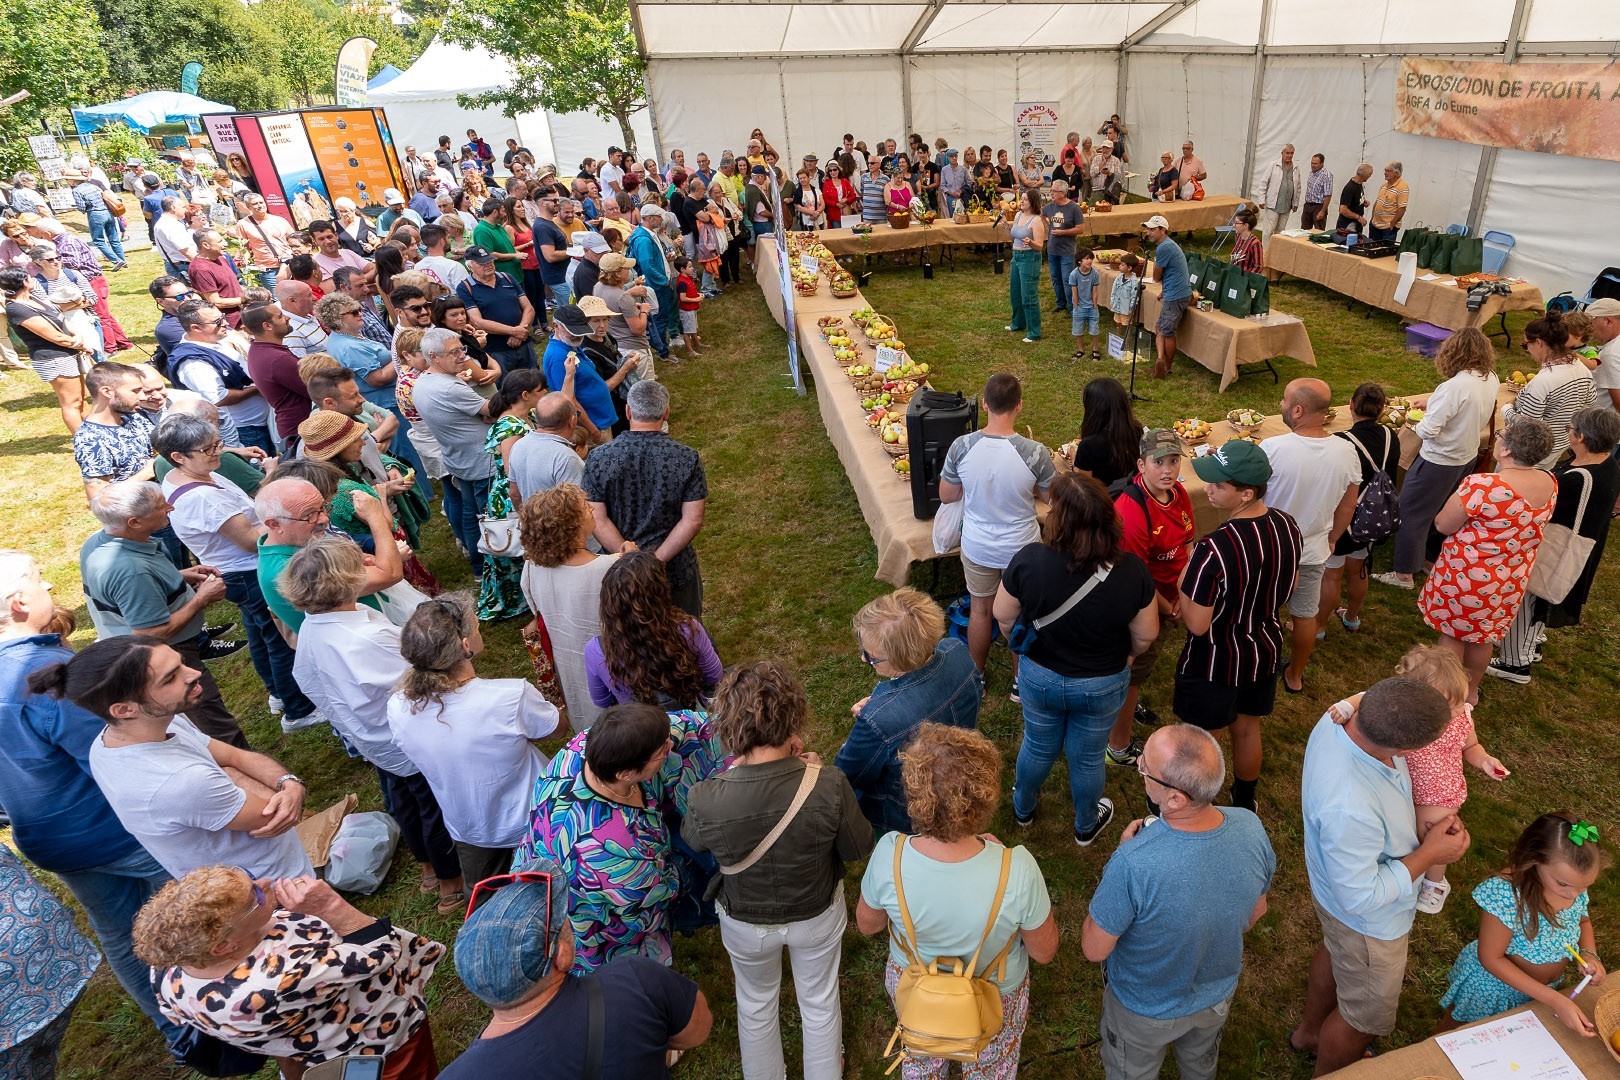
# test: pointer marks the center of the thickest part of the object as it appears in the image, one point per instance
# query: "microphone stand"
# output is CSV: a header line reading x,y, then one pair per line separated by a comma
x,y
1133,326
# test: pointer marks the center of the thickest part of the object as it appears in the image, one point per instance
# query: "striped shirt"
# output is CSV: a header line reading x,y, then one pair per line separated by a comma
x,y
873,209
1391,200
1318,187
1554,395
1244,570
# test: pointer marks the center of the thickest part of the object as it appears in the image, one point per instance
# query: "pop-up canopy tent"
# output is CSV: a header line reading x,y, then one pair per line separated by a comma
x,y
387,75
421,106
143,112
1240,77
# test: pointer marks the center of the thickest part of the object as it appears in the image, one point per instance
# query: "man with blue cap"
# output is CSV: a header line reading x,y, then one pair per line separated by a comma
x,y
514,953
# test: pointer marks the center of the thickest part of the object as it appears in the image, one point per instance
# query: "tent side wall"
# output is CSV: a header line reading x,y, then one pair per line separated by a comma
x,y
968,98
419,122
1171,97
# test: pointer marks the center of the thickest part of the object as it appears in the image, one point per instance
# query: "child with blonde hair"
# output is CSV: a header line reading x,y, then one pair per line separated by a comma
x,y
1439,787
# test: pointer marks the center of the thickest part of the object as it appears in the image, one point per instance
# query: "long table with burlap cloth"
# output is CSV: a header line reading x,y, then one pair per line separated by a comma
x,y
766,275
1207,517
1218,341
1121,221
1373,282
1427,1061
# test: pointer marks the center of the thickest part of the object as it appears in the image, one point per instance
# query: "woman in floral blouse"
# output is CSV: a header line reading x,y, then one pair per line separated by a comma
x,y
603,810
289,969
500,589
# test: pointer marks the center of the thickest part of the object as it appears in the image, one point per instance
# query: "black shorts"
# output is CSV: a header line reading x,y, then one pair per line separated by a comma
x,y
1213,706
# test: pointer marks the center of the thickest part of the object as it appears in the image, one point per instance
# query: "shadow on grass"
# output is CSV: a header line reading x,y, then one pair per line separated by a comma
x,y
54,444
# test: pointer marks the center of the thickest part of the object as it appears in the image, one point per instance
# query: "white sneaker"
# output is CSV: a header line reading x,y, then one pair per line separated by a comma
x,y
1432,896
1390,579
276,707
316,717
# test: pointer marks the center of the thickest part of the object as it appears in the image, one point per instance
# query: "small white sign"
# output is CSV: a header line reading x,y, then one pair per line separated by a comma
x,y
887,358
1116,346
810,263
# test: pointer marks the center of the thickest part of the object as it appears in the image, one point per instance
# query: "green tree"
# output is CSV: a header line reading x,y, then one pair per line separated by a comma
x,y
567,56
53,51
147,42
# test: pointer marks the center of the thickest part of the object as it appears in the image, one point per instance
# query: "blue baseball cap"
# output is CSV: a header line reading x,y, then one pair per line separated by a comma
x,y
505,948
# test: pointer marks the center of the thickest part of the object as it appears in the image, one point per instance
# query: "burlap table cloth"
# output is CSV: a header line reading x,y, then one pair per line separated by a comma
x,y
819,303
1373,282
1218,341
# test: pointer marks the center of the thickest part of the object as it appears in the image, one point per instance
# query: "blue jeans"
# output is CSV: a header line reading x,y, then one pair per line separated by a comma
x,y
272,656
1058,267
951,203
1071,717
474,501
1024,291
657,338
267,278
510,359
1375,233
111,895
256,435
169,540
669,311
401,447
105,235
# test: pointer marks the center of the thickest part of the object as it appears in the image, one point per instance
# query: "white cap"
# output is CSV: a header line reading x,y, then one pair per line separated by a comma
x,y
1157,221
392,197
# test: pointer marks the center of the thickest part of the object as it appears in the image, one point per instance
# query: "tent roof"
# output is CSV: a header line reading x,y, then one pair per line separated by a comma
x,y
387,75
672,29
443,71
143,112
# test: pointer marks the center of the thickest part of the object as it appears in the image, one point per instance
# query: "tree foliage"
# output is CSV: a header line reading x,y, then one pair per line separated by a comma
x,y
53,51
566,55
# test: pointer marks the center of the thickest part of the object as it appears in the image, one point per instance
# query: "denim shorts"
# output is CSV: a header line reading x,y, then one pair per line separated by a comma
x,y
1081,320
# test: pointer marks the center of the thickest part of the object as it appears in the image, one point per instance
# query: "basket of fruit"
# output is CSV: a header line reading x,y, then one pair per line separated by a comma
x,y
1606,1016
901,390
880,331
861,228
1517,381
1246,421
842,285
828,324
1398,413
861,316
903,467
981,217
1192,430
899,219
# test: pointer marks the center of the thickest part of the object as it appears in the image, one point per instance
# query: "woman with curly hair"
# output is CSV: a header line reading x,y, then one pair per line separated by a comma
x,y
950,872
289,969
562,582
648,649
792,896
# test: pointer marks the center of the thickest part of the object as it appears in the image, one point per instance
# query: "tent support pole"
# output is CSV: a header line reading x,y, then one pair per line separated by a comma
x,y
1148,29
1489,154
918,29
1255,100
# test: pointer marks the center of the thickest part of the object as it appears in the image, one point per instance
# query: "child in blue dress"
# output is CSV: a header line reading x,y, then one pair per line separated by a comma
x,y
1534,914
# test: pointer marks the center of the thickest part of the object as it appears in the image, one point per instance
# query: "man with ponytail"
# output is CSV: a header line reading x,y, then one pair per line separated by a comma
x,y
190,800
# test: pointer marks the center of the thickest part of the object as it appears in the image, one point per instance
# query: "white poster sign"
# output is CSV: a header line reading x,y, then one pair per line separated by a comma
x,y
1035,130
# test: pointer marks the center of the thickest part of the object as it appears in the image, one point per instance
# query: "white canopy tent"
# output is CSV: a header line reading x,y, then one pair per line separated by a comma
x,y
1240,77
421,106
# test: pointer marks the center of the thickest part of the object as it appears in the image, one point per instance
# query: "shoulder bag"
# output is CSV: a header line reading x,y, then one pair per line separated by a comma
x,y
807,783
1025,631
1564,553
945,1010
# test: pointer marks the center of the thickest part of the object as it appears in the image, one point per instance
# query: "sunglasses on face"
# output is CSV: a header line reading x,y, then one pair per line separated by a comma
x,y
416,309
260,898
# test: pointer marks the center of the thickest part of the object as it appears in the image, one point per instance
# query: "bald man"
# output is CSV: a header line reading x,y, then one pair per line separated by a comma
x,y
297,301
1315,479
546,457
1168,917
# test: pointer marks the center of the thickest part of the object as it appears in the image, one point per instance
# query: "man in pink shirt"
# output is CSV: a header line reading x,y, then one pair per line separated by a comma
x,y
330,254
266,238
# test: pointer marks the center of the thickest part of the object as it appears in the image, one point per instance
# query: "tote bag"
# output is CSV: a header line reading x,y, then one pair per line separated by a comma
x,y
1563,554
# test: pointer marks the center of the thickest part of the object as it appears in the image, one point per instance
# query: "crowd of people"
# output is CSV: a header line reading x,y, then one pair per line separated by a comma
x,y
280,453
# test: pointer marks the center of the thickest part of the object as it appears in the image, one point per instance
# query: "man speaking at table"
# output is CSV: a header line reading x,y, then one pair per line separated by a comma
x,y
1175,291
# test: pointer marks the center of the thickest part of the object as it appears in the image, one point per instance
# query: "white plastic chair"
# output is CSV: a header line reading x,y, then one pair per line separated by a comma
x,y
1497,246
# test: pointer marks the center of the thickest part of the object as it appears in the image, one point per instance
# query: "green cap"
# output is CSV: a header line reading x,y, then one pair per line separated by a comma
x,y
1160,443
1238,462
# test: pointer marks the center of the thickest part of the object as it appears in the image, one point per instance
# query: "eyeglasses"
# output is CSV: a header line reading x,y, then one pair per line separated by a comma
x,y
1162,783
260,898
313,516
221,321
487,888
416,309
49,259
211,449
874,661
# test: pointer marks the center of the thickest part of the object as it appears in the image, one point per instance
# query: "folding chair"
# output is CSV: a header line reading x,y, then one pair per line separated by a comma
x,y
1224,233
1497,246
1457,230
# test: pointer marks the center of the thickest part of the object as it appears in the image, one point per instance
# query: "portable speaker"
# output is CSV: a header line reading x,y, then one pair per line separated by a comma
x,y
934,420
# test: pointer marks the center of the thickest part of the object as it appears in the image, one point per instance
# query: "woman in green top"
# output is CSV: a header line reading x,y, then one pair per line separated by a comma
x,y
491,234
500,590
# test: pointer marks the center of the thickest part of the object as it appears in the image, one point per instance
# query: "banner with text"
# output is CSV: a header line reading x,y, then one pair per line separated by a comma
x,y
353,68
351,154
1035,131
1571,109
288,144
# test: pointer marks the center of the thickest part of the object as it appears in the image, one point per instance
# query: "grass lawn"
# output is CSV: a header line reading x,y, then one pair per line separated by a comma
x,y
787,560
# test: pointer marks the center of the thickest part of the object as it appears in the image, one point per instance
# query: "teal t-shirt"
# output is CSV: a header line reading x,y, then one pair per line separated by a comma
x,y
131,585
949,903
273,559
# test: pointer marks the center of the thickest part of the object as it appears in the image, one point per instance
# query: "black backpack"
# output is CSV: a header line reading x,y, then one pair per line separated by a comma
x,y
1378,509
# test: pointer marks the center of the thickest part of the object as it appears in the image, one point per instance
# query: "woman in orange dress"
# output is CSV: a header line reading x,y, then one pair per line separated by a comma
x,y
1493,524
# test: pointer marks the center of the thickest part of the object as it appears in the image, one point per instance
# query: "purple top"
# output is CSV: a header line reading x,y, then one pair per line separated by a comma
x,y
606,691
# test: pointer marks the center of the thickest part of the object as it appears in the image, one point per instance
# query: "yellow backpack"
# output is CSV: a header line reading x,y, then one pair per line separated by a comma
x,y
945,1010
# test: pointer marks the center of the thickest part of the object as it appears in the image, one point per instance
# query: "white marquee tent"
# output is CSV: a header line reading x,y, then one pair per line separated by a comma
x,y
421,106
1241,77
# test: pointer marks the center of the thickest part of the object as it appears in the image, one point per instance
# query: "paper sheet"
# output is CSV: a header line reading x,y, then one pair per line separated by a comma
x,y
1515,1047
1407,267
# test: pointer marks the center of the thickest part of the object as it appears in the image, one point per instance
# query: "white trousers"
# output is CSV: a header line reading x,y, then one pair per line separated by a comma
x,y
815,946
1271,222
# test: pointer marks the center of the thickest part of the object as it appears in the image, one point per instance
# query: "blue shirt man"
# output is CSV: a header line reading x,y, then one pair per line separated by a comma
x,y
1174,280
590,390
425,205
492,297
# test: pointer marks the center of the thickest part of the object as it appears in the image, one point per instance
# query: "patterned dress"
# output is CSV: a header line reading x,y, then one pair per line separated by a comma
x,y
1437,769
1475,993
45,964
305,993
622,878
500,589
1479,579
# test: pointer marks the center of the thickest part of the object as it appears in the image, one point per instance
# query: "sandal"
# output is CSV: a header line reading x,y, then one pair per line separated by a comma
x,y
1351,625
428,886
1081,355
454,902
1096,354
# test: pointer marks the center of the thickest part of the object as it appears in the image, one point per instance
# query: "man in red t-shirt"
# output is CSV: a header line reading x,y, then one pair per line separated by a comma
x,y
1158,519
213,277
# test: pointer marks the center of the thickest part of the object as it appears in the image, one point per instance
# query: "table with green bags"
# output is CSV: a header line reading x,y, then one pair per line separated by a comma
x,y
1240,328
1373,281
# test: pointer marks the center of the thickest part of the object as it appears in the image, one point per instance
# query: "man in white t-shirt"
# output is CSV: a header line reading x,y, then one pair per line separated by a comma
x,y
436,264
997,475
611,174
1606,335
190,800
1315,479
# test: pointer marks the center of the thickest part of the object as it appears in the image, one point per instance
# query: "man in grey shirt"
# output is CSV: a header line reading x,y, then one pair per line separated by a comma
x,y
1063,223
545,457
458,418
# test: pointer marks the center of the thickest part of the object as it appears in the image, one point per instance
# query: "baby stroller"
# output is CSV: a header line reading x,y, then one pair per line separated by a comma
x,y
1606,284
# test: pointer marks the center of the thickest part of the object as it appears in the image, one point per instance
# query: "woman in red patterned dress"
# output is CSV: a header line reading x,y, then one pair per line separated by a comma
x,y
1493,524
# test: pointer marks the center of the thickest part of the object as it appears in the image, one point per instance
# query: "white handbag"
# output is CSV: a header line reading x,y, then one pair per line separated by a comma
x,y
1563,554
948,527
400,601
500,536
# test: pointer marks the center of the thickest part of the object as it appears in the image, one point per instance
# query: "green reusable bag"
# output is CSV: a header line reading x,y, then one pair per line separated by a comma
x,y
1470,256
1259,294
1235,297
1412,238
1209,282
1425,250
1445,253
1195,267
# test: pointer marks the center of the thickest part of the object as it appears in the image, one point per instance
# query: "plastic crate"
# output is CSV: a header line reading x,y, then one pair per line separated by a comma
x,y
1425,338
